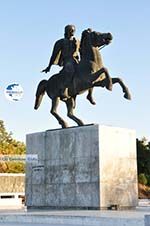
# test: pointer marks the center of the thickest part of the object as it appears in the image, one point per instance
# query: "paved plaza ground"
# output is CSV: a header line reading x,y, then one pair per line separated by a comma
x,y
23,217
27,224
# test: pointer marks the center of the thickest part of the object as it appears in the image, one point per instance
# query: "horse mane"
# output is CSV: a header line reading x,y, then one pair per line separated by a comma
x,y
85,39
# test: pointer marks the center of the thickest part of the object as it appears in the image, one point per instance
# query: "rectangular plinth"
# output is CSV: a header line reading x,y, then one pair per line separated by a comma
x,y
82,167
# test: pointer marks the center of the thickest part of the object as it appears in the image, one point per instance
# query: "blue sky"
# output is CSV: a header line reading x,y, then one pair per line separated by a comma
x,y
28,30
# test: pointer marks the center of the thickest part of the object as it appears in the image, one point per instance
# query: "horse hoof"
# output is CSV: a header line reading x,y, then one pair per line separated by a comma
x,y
64,125
109,87
93,102
127,96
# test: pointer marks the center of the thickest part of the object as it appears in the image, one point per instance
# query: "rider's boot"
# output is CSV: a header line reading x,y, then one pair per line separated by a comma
x,y
89,97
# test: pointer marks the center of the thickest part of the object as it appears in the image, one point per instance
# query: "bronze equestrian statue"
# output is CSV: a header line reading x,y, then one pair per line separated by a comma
x,y
89,73
66,54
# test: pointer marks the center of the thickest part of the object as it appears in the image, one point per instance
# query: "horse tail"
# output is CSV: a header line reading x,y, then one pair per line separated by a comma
x,y
40,93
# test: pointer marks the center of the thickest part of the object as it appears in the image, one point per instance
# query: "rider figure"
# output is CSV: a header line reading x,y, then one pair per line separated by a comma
x,y
66,54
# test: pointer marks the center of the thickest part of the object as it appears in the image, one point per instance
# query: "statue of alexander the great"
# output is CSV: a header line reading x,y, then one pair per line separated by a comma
x,y
77,75
66,54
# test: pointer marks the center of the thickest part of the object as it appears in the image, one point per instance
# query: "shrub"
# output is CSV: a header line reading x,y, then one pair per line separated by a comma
x,y
148,179
142,179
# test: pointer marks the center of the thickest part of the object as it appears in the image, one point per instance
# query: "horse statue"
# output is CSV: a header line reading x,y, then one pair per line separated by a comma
x,y
89,73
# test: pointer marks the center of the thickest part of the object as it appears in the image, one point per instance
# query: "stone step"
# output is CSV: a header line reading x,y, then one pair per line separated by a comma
x,y
98,218
144,202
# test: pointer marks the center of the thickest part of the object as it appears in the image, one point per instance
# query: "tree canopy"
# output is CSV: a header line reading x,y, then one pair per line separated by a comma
x,y
10,146
143,160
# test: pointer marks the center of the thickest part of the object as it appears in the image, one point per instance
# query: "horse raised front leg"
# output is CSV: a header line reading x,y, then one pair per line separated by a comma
x,y
108,80
55,103
124,88
70,106
100,78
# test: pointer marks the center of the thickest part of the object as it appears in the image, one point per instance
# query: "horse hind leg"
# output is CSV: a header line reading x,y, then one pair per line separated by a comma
x,y
70,106
125,90
55,103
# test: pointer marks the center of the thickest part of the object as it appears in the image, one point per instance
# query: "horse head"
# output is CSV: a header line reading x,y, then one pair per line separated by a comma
x,y
91,38
99,39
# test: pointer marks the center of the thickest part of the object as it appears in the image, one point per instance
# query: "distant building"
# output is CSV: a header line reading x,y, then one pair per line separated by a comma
x,y
12,189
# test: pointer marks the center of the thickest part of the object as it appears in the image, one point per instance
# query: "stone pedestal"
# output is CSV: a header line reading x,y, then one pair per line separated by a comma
x,y
82,167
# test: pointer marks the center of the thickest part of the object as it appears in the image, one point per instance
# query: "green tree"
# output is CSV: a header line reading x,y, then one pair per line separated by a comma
x,y
143,158
9,146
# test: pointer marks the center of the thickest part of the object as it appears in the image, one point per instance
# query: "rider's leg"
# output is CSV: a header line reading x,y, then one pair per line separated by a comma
x,y
67,73
63,90
64,93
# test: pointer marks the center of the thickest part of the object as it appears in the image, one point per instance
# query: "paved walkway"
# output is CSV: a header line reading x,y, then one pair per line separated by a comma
x,y
73,217
27,224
